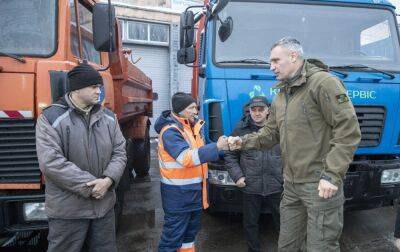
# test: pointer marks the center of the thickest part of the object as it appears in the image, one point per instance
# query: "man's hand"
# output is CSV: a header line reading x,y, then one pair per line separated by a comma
x,y
100,187
235,143
222,143
241,182
326,189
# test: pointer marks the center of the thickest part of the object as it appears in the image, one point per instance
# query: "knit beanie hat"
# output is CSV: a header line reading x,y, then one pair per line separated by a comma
x,y
180,101
82,76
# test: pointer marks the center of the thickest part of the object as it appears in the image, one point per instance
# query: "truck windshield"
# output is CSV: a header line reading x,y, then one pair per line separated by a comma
x,y
28,27
337,35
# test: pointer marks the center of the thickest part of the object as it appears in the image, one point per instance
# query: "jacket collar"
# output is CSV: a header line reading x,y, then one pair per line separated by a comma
x,y
95,113
310,67
183,123
249,123
95,109
299,79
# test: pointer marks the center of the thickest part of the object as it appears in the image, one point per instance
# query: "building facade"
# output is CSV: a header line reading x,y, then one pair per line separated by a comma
x,y
151,30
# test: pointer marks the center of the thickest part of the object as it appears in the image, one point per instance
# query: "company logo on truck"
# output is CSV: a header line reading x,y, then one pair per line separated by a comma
x,y
361,94
353,94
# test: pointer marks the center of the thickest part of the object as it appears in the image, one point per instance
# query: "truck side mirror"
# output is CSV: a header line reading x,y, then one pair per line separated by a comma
x,y
219,6
186,55
186,29
225,30
101,27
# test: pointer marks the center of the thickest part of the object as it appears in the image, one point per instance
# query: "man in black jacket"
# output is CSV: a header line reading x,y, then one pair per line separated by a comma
x,y
257,172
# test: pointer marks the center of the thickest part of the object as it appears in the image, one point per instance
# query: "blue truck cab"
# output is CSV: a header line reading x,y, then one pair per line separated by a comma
x,y
357,39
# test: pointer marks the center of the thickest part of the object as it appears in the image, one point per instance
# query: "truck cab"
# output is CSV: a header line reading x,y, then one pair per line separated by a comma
x,y
357,39
40,41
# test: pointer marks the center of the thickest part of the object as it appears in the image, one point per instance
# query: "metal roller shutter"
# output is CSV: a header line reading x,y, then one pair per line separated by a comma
x,y
155,64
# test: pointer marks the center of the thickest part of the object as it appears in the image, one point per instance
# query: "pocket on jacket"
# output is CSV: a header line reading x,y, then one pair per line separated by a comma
x,y
276,151
308,119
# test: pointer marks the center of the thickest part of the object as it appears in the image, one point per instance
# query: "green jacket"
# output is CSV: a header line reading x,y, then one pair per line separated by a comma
x,y
316,125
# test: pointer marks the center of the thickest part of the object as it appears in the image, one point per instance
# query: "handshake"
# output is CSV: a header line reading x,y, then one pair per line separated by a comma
x,y
229,143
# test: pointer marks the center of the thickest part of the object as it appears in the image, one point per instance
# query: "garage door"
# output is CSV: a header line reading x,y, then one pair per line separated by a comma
x,y
185,78
155,64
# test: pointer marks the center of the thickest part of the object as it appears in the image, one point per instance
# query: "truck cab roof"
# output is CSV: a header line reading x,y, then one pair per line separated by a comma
x,y
382,3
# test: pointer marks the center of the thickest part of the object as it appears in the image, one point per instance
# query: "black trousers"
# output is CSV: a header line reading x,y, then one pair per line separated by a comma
x,y
252,207
397,225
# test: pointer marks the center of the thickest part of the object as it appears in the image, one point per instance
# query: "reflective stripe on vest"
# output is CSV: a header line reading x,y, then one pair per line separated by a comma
x,y
181,181
187,247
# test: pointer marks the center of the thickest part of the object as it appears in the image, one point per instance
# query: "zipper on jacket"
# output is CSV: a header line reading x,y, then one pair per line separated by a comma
x,y
89,145
88,133
87,126
308,120
67,144
264,171
287,146
97,153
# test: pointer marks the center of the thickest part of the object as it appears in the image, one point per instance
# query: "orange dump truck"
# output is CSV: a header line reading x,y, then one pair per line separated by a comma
x,y
40,40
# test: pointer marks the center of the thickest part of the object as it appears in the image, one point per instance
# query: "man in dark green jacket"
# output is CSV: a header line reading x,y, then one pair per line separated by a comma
x,y
316,125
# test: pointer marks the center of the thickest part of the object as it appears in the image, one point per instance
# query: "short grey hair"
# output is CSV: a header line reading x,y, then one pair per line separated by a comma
x,y
291,44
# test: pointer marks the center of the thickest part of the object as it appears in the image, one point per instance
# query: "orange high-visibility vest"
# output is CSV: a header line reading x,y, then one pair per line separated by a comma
x,y
186,169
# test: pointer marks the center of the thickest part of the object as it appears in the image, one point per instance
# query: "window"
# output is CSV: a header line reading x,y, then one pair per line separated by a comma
x,y
158,33
85,19
22,24
338,35
138,31
375,41
146,32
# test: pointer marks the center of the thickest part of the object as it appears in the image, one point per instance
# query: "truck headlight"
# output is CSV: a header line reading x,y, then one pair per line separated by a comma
x,y
220,177
390,176
34,211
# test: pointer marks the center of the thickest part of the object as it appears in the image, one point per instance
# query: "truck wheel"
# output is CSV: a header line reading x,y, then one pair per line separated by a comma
x,y
130,154
123,186
141,154
118,206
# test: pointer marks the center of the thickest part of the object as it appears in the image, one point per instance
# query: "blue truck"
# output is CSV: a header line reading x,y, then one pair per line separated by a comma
x,y
358,39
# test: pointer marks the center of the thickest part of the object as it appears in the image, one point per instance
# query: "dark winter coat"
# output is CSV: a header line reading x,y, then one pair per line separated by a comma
x,y
262,169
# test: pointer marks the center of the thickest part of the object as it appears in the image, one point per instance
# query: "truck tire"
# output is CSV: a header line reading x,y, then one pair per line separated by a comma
x,y
119,203
123,186
141,154
130,154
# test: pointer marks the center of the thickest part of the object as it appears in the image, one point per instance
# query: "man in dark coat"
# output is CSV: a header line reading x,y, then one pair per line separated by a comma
x,y
257,172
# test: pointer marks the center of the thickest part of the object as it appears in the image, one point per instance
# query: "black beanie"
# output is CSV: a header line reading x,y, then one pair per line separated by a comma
x,y
82,76
180,101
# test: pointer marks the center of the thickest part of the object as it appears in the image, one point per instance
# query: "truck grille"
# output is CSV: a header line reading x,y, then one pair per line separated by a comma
x,y
372,120
18,160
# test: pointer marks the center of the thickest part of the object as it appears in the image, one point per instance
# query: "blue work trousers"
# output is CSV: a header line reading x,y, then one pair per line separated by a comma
x,y
179,229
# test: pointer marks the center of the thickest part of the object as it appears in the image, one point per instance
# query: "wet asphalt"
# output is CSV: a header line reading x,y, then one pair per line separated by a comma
x,y
142,220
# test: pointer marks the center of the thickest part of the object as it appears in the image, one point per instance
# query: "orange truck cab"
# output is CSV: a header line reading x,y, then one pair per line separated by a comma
x,y
40,41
